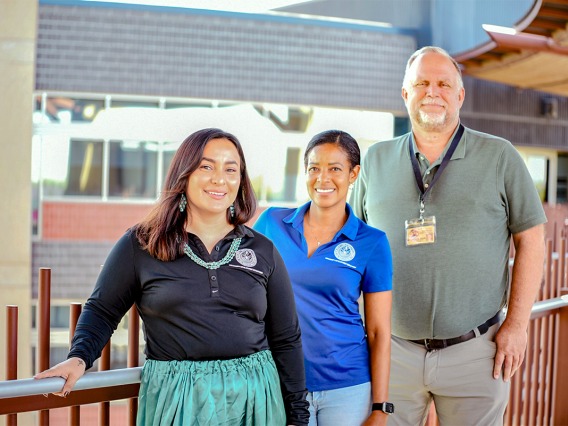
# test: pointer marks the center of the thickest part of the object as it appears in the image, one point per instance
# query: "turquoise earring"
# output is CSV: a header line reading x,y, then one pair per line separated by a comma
x,y
182,203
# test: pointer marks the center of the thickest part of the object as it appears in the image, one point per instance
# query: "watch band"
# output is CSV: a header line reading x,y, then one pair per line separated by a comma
x,y
385,407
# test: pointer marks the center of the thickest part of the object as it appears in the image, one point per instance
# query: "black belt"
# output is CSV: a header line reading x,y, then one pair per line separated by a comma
x,y
431,344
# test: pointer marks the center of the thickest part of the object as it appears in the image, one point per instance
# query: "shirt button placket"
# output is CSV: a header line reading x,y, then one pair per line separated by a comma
x,y
213,283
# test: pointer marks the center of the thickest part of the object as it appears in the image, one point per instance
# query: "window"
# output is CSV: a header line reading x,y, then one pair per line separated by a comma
x,y
60,109
58,316
132,169
124,151
85,167
133,103
169,150
562,182
538,168
70,167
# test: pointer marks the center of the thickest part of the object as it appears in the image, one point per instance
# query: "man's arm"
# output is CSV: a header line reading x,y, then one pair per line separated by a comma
x,y
511,339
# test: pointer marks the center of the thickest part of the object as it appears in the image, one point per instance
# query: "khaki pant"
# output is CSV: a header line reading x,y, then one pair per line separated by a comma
x,y
458,378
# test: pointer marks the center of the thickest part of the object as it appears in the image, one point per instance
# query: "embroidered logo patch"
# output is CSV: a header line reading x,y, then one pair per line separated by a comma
x,y
344,252
246,257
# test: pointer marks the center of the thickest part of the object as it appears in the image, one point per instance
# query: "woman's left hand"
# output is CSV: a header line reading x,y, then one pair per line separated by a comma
x,y
377,418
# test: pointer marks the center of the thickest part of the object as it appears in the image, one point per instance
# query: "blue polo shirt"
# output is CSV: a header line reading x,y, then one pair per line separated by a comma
x,y
327,287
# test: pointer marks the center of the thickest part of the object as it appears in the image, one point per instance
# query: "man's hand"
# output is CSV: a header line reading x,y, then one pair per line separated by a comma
x,y
511,341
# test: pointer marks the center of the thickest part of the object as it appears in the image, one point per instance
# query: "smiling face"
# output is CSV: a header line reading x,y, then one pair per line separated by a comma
x,y
433,93
214,185
328,175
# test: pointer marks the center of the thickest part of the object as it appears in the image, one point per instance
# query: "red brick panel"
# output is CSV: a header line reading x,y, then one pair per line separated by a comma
x,y
89,221
72,221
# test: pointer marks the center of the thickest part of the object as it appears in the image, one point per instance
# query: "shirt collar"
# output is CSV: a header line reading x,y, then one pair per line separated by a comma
x,y
349,229
458,153
239,231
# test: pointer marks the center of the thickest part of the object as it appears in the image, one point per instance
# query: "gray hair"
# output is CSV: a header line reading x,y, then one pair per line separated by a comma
x,y
431,49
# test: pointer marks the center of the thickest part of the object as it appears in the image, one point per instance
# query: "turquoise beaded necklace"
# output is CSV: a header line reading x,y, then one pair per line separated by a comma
x,y
214,265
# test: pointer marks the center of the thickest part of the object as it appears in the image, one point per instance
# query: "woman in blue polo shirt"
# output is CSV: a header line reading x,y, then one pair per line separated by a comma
x,y
332,257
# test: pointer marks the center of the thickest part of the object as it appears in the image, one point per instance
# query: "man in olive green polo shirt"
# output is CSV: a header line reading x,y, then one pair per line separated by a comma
x,y
450,199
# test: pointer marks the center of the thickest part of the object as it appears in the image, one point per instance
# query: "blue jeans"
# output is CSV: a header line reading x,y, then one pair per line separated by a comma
x,y
348,406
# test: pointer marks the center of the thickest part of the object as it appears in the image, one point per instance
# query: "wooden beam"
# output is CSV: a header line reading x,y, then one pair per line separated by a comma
x,y
553,12
22,404
549,24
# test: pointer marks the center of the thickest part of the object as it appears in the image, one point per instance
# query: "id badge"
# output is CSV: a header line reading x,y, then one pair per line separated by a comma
x,y
420,231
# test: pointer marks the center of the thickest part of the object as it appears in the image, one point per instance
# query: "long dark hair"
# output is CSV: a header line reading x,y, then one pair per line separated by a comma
x,y
162,231
337,137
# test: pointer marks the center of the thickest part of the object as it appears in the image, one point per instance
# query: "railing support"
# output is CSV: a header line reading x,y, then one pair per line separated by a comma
x,y
12,353
44,324
74,313
132,361
104,407
560,390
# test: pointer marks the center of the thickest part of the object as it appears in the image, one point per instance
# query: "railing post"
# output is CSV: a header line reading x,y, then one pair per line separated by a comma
x,y
44,325
133,361
74,313
104,365
12,353
560,390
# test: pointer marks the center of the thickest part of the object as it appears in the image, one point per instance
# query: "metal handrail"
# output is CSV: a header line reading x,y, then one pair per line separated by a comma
x,y
549,305
125,376
98,379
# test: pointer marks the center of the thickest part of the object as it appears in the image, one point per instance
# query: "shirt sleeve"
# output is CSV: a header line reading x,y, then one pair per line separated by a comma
x,y
115,291
378,271
283,332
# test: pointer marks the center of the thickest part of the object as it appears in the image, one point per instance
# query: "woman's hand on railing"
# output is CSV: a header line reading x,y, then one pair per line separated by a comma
x,y
70,370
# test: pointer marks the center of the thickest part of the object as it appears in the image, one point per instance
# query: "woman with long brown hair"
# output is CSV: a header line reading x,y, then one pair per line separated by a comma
x,y
222,336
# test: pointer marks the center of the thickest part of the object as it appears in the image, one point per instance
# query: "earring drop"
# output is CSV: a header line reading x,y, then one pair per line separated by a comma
x,y
182,203
232,211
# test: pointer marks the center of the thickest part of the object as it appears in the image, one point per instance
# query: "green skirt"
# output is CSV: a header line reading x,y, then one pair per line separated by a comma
x,y
236,392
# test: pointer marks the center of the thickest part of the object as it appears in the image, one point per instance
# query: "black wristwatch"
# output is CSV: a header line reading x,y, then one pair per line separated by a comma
x,y
385,407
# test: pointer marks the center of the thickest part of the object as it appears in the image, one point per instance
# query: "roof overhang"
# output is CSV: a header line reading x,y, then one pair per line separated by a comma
x,y
534,57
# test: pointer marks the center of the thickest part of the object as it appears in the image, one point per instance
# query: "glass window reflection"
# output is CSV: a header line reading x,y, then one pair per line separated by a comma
x,y
85,168
63,110
132,169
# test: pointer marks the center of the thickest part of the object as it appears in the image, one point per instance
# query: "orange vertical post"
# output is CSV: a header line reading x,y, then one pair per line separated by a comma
x,y
104,407
74,313
559,388
12,353
133,361
43,329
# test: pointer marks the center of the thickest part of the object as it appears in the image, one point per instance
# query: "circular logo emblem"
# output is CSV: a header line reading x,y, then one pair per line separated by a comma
x,y
246,257
345,252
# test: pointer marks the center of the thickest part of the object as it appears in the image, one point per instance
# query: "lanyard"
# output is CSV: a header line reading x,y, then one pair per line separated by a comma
x,y
445,161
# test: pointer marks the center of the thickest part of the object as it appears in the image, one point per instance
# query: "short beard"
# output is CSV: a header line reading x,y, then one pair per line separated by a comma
x,y
431,122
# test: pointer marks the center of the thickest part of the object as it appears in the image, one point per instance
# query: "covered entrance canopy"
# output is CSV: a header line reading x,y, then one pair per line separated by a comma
x,y
532,55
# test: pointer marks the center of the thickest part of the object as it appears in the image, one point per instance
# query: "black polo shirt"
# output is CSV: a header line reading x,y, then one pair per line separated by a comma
x,y
193,313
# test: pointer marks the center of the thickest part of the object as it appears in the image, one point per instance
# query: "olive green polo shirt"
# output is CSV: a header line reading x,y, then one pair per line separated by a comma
x,y
484,195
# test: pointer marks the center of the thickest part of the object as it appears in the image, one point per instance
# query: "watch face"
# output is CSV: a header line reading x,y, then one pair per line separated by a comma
x,y
385,407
